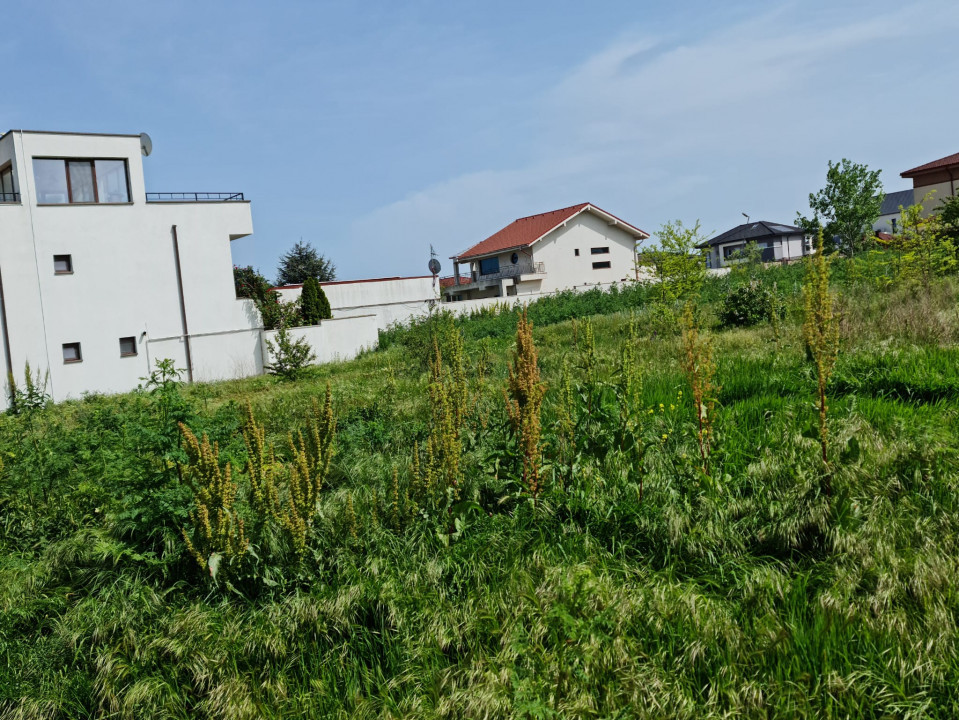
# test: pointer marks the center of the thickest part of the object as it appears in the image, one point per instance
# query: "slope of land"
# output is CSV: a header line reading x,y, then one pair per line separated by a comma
x,y
633,584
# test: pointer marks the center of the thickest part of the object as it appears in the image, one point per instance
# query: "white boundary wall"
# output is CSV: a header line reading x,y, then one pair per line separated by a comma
x,y
332,340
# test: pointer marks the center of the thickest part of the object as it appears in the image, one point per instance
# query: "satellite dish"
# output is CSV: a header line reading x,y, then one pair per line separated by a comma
x,y
435,266
146,144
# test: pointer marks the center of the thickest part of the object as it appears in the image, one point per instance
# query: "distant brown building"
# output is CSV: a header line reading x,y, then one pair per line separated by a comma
x,y
941,176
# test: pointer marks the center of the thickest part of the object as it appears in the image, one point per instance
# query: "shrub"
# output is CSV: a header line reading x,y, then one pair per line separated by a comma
x,y
290,355
747,305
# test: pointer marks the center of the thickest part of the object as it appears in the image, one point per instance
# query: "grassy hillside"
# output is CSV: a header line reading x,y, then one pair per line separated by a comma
x,y
631,584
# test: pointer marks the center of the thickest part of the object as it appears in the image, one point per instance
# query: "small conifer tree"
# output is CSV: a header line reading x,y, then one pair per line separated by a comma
x,y
311,306
323,303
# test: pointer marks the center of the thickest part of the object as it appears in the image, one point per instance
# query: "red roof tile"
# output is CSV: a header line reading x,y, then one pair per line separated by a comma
x,y
934,165
527,230
450,281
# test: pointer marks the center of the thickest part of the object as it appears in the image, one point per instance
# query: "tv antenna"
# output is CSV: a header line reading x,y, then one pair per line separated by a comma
x,y
434,266
745,216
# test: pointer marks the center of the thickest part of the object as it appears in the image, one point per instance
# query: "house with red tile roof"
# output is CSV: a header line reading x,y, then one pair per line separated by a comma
x,y
941,177
562,249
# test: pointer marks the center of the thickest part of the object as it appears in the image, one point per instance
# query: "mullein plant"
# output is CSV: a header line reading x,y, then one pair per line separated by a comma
x,y
700,371
524,401
218,531
448,398
821,332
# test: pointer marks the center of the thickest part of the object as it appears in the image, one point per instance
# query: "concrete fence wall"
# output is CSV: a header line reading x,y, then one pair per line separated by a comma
x,y
332,340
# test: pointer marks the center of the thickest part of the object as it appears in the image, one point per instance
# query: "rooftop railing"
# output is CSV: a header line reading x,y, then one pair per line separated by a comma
x,y
195,197
531,268
9,197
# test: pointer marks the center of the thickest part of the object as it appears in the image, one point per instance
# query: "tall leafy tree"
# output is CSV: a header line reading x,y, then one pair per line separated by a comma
x,y
847,207
677,263
302,262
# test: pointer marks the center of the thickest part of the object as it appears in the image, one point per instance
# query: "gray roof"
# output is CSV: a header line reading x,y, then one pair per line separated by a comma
x,y
892,201
753,231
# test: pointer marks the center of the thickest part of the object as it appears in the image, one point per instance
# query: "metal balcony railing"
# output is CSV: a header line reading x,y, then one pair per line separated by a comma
x,y
536,268
9,197
195,197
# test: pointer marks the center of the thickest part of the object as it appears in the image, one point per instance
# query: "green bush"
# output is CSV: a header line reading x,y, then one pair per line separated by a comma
x,y
748,305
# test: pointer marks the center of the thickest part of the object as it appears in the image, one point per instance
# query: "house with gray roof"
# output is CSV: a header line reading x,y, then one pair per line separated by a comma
x,y
778,242
888,219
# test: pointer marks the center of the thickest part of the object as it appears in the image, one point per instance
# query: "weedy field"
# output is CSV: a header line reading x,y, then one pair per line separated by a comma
x,y
622,511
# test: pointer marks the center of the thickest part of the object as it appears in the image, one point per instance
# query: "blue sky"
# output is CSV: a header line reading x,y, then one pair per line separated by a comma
x,y
375,129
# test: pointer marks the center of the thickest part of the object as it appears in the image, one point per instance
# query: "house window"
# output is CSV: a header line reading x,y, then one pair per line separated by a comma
x,y
62,265
599,251
601,265
489,266
576,252
128,346
71,353
60,182
7,193
730,249
514,258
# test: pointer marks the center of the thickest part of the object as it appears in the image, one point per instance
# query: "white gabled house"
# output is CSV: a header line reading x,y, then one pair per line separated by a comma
x,y
100,279
563,249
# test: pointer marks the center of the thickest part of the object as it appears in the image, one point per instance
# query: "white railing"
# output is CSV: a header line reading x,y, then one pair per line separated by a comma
x,y
535,268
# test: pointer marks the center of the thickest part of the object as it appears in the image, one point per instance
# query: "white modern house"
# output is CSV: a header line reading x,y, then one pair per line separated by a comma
x,y
778,243
574,247
100,279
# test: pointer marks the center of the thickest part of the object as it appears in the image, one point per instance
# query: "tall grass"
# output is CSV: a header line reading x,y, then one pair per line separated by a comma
x,y
636,585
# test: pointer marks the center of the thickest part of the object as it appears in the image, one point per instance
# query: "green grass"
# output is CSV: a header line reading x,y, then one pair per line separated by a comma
x,y
630,589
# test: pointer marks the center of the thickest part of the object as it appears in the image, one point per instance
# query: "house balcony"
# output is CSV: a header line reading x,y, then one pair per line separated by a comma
x,y
194,197
480,281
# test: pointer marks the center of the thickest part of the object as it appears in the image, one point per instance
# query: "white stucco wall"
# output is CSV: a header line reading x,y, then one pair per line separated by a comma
x,y
124,275
332,340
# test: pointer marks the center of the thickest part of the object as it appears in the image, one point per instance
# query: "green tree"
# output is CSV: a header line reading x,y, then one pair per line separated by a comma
x,y
677,264
847,207
326,312
311,302
302,262
948,214
927,248
249,283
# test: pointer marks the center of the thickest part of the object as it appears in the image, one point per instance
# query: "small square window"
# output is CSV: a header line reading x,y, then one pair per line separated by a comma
x,y
601,265
599,251
576,252
62,264
71,353
128,346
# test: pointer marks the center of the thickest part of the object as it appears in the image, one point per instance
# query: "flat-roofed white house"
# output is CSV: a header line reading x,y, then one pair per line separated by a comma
x,y
562,249
100,279
778,242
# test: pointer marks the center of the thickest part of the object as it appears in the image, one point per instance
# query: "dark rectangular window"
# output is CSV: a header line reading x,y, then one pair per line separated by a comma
x,y
599,251
601,265
7,193
62,264
71,352
60,181
128,346
489,266
576,252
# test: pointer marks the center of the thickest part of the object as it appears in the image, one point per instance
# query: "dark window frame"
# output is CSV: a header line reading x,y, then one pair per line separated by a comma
x,y
6,168
602,265
69,259
132,339
78,358
599,250
93,170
